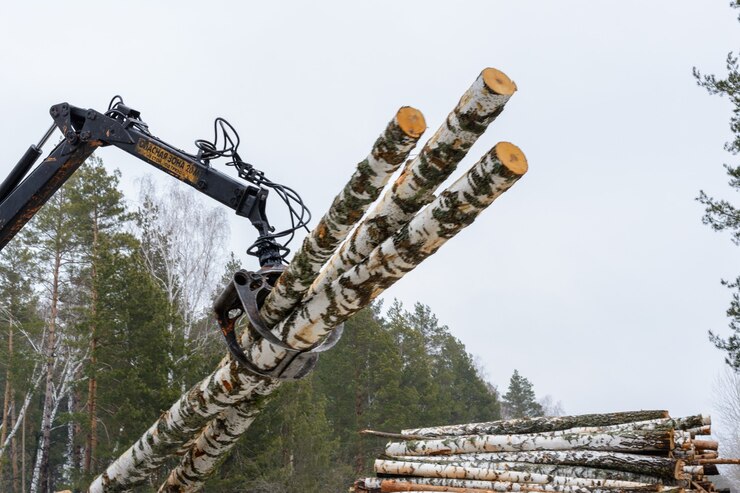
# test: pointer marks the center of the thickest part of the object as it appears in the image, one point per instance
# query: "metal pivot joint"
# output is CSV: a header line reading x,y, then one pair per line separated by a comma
x,y
245,295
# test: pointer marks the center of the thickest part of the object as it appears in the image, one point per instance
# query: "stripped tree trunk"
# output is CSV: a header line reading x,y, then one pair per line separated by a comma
x,y
390,150
457,207
624,441
537,425
420,469
478,108
661,467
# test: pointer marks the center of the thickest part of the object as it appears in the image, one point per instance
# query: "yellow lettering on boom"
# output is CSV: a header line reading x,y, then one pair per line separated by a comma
x,y
174,165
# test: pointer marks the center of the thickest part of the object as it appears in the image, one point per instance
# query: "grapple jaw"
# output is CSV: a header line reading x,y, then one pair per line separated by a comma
x,y
245,295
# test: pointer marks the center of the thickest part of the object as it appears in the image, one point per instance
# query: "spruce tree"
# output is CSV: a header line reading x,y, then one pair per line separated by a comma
x,y
519,400
722,214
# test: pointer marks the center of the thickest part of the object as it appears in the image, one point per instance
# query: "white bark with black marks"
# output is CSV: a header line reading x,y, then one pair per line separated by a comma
x,y
414,188
371,176
624,441
550,469
538,424
453,210
661,467
421,469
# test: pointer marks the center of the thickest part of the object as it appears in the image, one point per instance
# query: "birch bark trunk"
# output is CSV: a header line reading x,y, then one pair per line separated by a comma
x,y
661,467
21,414
420,469
41,471
537,425
624,441
7,395
389,151
550,469
69,464
457,207
683,426
477,109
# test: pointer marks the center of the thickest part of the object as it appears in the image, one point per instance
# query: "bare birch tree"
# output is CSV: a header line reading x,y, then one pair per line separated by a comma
x,y
182,239
727,405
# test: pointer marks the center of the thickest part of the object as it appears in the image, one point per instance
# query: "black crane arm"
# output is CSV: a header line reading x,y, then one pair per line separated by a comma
x,y
85,130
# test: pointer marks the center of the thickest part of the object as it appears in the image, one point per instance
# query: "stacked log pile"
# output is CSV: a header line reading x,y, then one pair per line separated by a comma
x,y
626,452
335,274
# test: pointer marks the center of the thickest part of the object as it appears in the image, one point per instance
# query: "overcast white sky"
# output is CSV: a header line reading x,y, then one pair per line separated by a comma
x,y
593,276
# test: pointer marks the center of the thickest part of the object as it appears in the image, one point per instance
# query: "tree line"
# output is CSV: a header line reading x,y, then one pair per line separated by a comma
x,y
103,326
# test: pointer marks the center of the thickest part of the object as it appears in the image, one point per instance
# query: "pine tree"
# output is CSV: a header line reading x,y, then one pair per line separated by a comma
x,y
98,214
519,400
721,214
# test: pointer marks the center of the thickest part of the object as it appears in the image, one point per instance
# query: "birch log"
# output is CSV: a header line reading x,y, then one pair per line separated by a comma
x,y
390,150
376,485
679,424
661,467
625,441
222,388
537,425
478,107
453,210
420,469
550,469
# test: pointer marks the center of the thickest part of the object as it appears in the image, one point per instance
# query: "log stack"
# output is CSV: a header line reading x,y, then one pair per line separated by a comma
x,y
634,451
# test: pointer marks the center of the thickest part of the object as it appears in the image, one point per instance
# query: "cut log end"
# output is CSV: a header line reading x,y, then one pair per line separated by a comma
x,y
498,82
512,157
411,121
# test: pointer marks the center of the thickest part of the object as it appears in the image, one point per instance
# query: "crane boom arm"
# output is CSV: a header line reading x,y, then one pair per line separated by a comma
x,y
86,130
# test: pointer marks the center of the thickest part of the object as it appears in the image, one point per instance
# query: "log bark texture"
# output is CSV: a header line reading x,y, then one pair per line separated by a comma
x,y
454,209
550,469
389,152
478,107
661,467
376,484
537,425
678,424
623,441
421,469
198,461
